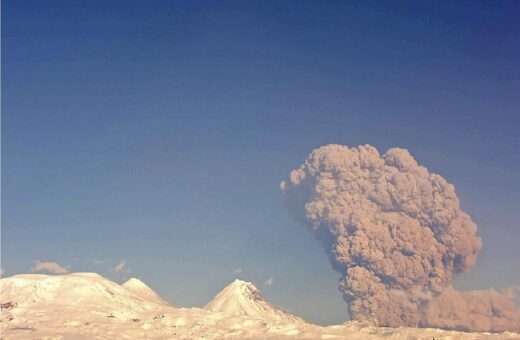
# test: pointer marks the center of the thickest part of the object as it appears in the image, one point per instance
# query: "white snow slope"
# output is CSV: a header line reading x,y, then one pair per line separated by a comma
x,y
88,306
140,289
243,299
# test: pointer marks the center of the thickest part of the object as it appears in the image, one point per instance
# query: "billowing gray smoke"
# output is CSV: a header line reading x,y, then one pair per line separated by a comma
x,y
397,234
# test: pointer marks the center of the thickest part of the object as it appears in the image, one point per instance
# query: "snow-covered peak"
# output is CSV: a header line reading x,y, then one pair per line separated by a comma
x,y
134,283
239,287
88,291
241,298
140,288
239,283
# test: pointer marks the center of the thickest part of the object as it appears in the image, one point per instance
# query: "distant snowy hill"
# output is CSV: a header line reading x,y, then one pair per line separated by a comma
x,y
87,292
243,299
140,289
89,306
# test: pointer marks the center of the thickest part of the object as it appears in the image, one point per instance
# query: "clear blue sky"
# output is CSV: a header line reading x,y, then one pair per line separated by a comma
x,y
158,131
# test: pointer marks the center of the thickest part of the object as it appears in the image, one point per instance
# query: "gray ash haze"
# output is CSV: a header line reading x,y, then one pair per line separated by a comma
x,y
398,236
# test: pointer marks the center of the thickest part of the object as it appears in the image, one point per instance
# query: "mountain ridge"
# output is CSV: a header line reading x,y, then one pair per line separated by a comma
x,y
89,306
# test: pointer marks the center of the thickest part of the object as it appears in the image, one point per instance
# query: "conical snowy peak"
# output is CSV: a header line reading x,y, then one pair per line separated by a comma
x,y
242,298
133,282
242,290
140,289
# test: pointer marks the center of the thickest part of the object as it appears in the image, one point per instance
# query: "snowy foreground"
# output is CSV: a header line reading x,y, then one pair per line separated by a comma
x,y
88,306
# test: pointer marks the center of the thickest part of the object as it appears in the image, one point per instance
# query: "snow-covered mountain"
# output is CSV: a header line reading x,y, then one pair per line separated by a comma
x,y
140,289
83,291
89,306
243,299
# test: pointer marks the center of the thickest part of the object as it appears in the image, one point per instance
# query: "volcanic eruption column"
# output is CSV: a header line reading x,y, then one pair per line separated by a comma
x,y
397,235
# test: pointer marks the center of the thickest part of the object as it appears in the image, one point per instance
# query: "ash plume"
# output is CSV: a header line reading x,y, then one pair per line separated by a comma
x,y
397,235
